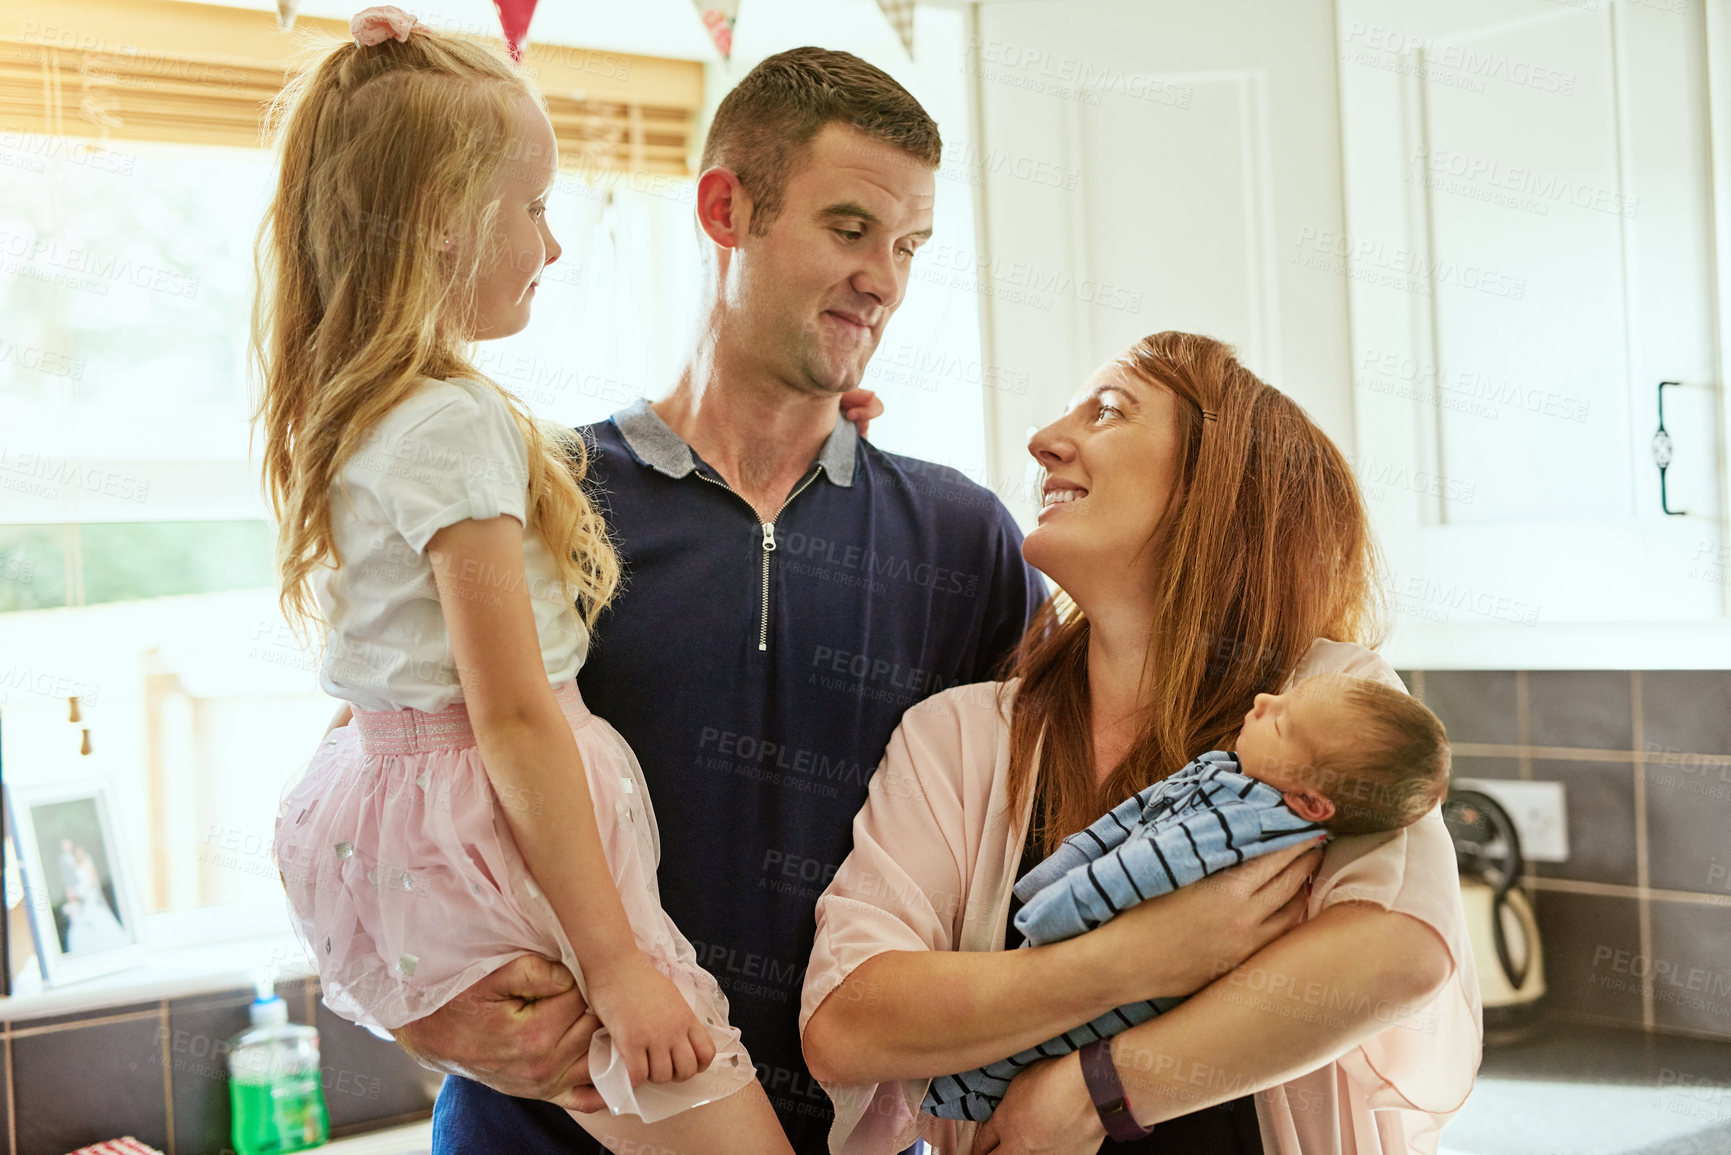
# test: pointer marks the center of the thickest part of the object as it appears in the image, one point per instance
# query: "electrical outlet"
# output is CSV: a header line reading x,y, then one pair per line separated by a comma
x,y
1537,810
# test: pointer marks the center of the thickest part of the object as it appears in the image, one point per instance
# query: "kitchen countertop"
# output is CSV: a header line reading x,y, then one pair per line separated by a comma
x,y
1577,1089
1569,1089
413,1139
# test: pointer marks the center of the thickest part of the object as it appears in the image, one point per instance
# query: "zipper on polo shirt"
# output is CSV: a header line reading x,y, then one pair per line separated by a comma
x,y
768,528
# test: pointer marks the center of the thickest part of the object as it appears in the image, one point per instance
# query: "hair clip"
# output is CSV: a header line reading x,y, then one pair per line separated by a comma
x,y
375,25
1208,416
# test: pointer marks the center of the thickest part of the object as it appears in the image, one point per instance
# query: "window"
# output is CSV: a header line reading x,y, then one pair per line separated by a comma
x,y
136,568
135,556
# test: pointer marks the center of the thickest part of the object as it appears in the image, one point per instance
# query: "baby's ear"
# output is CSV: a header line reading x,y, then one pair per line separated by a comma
x,y
1310,805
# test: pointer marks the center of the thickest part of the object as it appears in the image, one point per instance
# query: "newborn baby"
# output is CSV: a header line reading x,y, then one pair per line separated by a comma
x,y
1334,754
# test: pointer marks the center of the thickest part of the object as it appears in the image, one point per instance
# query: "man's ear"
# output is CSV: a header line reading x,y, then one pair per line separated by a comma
x,y
723,207
1310,805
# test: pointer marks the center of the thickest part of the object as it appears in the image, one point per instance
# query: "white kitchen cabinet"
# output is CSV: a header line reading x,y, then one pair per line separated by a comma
x,y
1531,247
1149,166
1470,236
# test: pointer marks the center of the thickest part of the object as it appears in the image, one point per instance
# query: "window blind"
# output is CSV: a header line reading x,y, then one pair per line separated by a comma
x,y
162,70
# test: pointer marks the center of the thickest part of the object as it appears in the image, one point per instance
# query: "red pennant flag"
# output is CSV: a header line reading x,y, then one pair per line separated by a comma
x,y
718,18
514,17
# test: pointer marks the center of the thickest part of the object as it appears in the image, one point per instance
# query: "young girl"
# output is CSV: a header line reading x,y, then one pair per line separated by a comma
x,y
473,811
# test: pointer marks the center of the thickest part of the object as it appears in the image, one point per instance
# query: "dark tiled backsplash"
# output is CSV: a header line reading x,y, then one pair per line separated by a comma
x,y
1611,923
1687,710
1692,958
1585,936
1589,709
76,1083
157,1071
1599,805
1476,707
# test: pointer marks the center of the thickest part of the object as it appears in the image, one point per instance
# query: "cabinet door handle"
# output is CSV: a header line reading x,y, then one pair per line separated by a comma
x,y
1662,452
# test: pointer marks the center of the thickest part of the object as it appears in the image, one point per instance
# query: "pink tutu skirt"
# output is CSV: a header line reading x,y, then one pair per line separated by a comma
x,y
407,887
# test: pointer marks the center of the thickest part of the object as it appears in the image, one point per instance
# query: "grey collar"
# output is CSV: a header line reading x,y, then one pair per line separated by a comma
x,y
655,444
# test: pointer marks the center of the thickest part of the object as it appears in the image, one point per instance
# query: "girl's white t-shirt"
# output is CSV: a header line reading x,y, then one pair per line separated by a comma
x,y
451,451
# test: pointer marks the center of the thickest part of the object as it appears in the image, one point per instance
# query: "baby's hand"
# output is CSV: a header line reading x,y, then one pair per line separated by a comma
x,y
651,1024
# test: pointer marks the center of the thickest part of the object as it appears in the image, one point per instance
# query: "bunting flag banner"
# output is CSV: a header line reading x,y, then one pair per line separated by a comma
x,y
718,19
514,17
285,13
900,14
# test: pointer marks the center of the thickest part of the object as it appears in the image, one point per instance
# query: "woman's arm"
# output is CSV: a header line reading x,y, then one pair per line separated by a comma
x,y
907,1014
1350,973
534,765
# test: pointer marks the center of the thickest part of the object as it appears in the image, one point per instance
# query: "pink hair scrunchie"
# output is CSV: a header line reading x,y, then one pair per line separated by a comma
x,y
375,25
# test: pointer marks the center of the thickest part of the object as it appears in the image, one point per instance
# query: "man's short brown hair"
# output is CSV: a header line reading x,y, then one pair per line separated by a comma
x,y
765,125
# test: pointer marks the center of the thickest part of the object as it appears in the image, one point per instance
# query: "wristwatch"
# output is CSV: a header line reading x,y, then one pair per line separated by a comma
x,y
1108,1093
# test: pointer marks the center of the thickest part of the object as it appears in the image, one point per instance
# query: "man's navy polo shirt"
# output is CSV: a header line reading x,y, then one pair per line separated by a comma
x,y
889,579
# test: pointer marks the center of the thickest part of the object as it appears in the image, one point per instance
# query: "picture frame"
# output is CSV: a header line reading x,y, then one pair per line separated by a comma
x,y
83,909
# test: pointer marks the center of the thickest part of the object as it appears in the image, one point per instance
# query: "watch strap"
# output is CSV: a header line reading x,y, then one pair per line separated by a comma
x,y
1107,1092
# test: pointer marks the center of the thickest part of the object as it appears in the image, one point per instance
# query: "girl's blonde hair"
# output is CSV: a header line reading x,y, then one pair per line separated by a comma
x,y
385,151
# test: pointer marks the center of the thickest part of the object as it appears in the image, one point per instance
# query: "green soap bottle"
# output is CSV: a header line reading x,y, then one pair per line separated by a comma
x,y
273,1081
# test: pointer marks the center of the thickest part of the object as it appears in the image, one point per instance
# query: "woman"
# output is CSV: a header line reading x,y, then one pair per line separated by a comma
x,y
1212,544
91,924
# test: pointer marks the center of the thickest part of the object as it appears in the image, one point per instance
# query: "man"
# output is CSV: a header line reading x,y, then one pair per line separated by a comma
x,y
70,885
790,591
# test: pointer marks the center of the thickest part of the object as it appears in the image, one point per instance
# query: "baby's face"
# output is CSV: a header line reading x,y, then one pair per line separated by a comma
x,y
1284,733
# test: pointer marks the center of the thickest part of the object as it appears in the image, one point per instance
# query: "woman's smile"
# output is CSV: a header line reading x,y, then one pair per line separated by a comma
x,y
1058,494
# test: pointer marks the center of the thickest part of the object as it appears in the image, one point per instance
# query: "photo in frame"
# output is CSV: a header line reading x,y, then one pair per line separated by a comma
x,y
84,914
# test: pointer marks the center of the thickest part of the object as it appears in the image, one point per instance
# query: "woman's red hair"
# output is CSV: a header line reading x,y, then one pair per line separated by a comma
x,y
1265,546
